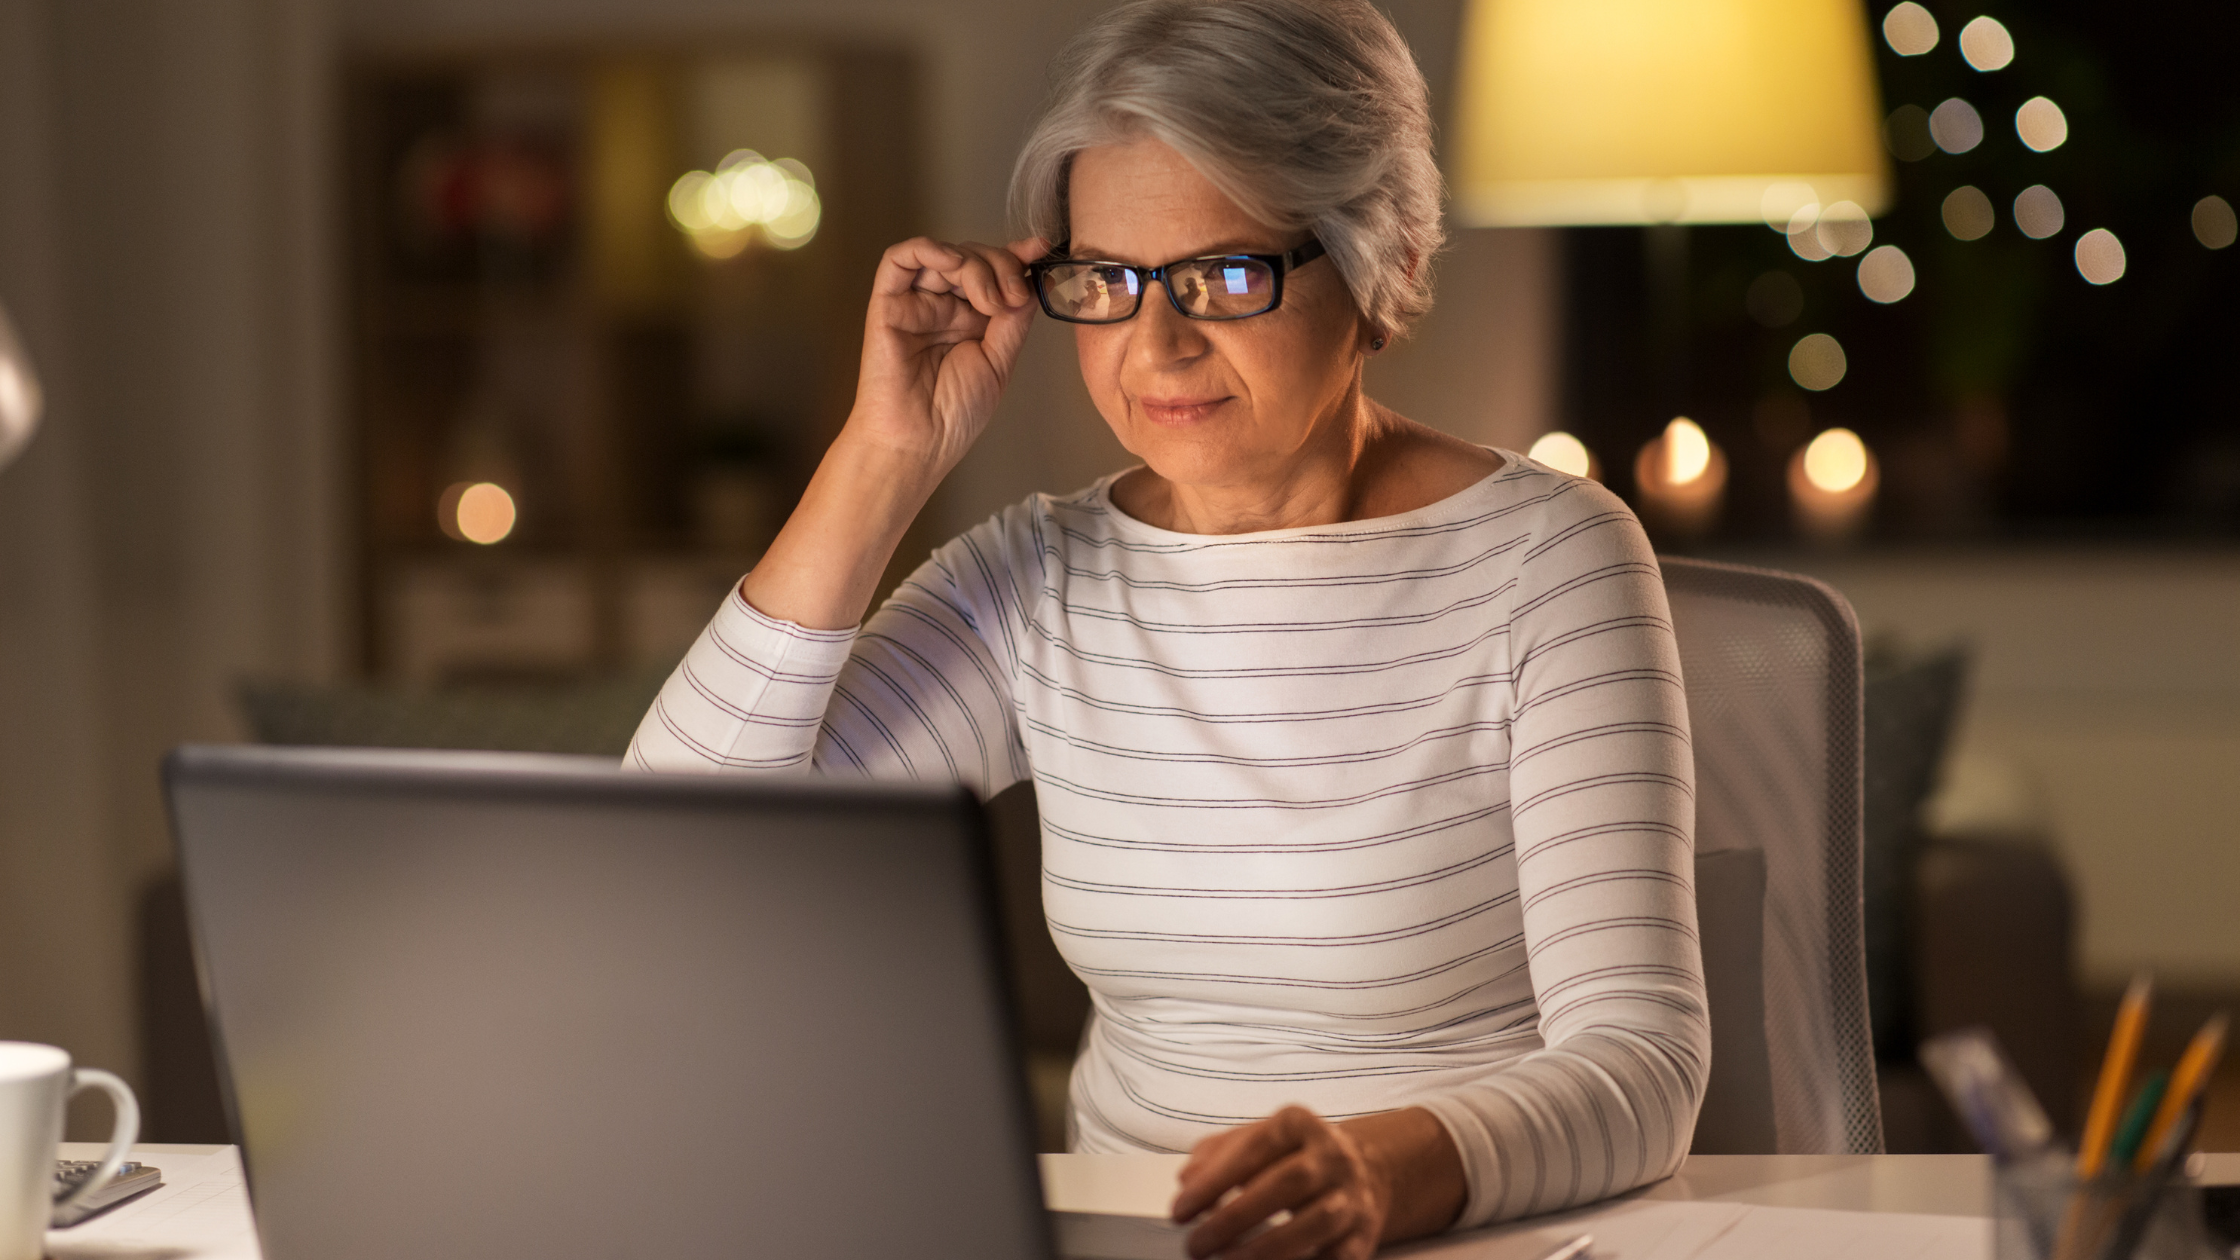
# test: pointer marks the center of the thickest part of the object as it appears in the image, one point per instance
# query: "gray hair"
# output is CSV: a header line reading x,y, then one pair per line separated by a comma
x,y
1306,113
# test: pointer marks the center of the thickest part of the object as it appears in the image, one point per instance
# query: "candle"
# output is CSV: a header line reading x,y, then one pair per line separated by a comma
x,y
1681,477
1832,481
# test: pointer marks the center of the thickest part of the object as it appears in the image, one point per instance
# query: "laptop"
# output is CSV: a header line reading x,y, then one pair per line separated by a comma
x,y
484,1004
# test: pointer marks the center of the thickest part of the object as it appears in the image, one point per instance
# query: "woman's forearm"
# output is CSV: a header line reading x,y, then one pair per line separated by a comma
x,y
826,563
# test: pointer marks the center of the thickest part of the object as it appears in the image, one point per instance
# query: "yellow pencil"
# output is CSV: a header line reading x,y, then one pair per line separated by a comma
x,y
2115,1077
2186,1083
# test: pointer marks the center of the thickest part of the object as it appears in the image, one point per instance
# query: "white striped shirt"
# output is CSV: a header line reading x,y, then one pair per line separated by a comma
x,y
1396,812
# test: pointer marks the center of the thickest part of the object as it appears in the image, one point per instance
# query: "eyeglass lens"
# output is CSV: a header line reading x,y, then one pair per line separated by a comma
x,y
1209,288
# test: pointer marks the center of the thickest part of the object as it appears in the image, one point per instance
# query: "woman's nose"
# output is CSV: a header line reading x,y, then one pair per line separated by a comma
x,y
1162,335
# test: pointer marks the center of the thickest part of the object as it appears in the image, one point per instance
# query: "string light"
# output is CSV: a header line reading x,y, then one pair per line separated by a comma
x,y
1967,213
1956,126
1817,362
1910,29
1986,45
2041,125
2038,213
477,512
1886,274
2100,257
2214,224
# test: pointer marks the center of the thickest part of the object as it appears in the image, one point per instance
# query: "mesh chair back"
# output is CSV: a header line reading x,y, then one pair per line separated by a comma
x,y
1772,666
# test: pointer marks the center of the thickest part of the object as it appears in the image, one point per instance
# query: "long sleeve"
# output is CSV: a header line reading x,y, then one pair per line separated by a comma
x,y
1602,798
922,691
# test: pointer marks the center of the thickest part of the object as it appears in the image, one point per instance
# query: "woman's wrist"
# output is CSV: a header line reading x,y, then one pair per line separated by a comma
x,y
1411,1152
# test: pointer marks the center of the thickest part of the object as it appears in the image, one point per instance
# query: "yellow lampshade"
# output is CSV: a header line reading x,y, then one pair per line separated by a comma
x,y
1665,111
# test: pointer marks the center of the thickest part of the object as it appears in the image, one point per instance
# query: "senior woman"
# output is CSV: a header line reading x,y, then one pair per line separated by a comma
x,y
1360,750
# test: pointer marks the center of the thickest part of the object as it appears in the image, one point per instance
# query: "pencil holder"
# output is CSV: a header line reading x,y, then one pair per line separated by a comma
x,y
2043,1212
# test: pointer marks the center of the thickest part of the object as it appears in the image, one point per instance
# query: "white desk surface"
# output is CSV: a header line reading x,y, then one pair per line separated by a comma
x,y
202,1210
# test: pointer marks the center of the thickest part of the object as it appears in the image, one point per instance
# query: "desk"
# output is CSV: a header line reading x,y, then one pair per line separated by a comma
x,y
202,1210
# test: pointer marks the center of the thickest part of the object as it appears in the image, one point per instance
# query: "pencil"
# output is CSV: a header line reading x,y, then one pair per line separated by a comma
x,y
2115,1077
2186,1083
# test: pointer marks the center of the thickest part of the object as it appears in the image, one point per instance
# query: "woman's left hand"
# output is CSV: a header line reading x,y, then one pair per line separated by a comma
x,y
1347,1187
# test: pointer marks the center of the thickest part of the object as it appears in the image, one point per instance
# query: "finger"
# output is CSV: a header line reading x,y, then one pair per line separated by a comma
x,y
1245,1152
902,265
1310,1232
1291,1185
985,282
1030,249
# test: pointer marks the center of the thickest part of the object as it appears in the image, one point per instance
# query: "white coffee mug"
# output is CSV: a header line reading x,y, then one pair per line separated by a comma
x,y
35,1082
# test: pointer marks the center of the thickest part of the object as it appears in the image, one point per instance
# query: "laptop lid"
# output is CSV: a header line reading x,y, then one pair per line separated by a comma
x,y
478,1004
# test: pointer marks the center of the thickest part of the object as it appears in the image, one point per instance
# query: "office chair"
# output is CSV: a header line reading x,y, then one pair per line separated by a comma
x,y
1773,674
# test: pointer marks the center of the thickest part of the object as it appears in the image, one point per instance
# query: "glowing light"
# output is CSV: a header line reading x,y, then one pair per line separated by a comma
x,y
2038,213
1835,461
2214,224
1832,482
1886,274
1687,452
1564,453
2041,124
1910,29
1956,126
1774,299
1844,229
1986,45
476,512
1817,362
1681,476
2100,257
746,198
1804,234
1967,213
1906,133
20,397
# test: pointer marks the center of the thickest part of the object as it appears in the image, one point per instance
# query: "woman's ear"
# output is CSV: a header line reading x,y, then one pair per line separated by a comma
x,y
1372,339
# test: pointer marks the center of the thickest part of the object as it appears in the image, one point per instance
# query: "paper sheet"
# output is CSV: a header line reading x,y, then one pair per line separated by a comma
x,y
1649,1230
201,1212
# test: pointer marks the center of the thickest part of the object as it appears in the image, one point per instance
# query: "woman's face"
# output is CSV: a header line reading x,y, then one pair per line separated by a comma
x,y
1236,404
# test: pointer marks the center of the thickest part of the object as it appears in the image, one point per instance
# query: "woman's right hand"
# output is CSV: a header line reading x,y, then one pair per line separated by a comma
x,y
939,341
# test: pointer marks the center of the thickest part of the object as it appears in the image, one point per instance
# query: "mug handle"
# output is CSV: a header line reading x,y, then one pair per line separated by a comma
x,y
120,1141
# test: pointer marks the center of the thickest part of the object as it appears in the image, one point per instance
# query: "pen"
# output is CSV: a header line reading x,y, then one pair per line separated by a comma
x,y
1572,1250
2132,1133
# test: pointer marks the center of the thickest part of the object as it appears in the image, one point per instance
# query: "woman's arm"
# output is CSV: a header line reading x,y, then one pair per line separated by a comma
x,y
780,679
942,332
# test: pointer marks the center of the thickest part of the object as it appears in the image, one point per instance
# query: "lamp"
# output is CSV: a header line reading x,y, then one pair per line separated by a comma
x,y
1665,111
20,399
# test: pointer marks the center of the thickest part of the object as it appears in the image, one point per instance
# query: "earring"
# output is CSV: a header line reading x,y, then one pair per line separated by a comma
x,y
1376,344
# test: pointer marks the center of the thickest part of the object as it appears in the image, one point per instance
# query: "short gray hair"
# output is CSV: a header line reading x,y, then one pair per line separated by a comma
x,y
1306,113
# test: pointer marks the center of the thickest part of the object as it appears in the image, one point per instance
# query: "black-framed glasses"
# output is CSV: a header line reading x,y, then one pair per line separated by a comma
x,y
1220,286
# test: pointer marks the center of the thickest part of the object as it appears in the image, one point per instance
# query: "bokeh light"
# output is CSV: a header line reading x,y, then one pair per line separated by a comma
x,y
20,398
1682,478
1968,214
1687,451
2214,224
1986,45
2038,213
1817,362
2100,257
1564,453
476,512
1844,229
1906,133
1835,461
1774,299
1886,274
1956,126
746,197
1804,234
1910,29
2041,124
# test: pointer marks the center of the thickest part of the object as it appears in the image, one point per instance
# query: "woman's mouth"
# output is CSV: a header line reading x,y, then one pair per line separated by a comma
x,y
1180,410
